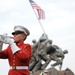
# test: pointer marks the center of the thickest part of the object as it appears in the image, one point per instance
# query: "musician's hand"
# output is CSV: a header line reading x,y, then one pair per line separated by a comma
x,y
5,39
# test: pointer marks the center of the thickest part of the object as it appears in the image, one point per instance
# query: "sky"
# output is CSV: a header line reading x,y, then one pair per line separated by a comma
x,y
59,25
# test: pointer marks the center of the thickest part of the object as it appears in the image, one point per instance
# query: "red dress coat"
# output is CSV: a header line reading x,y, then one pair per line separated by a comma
x,y
19,58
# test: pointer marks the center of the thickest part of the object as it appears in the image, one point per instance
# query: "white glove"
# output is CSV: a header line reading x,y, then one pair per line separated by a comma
x,y
14,48
7,40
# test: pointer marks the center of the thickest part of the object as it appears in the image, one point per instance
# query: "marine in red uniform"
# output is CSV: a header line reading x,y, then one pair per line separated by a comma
x,y
17,53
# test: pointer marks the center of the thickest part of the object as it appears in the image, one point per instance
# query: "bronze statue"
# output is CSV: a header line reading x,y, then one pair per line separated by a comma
x,y
43,50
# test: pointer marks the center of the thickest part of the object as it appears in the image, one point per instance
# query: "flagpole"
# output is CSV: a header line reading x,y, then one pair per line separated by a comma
x,y
38,20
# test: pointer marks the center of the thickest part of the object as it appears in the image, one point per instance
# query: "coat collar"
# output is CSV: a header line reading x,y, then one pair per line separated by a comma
x,y
19,44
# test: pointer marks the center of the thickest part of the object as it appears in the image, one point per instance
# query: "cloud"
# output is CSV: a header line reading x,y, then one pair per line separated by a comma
x,y
6,5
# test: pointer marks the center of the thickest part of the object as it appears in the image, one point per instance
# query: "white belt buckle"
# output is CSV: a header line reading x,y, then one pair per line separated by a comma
x,y
14,67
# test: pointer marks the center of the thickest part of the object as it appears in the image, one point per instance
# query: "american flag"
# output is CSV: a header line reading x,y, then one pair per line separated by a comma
x,y
40,12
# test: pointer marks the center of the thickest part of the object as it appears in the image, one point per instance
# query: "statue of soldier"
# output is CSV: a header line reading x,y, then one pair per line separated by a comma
x,y
43,44
58,56
34,59
55,53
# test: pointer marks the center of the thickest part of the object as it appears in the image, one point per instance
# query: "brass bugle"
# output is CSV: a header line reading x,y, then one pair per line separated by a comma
x,y
9,37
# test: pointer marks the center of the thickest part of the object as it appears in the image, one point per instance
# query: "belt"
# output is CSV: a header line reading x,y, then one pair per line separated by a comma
x,y
19,67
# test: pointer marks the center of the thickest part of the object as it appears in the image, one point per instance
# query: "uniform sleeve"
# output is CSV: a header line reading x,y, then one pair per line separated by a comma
x,y
4,53
25,52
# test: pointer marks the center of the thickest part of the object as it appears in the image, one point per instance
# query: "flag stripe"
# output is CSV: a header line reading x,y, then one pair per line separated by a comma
x,y
40,12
